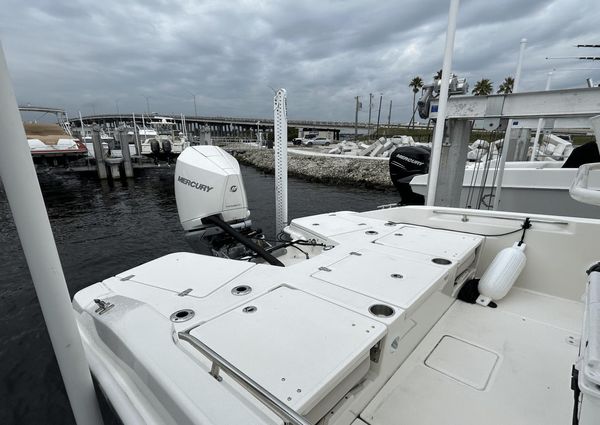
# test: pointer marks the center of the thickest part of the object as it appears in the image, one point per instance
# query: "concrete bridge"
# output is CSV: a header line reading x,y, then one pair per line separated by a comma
x,y
232,126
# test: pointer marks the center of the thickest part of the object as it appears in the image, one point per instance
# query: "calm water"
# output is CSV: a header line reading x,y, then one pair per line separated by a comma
x,y
101,231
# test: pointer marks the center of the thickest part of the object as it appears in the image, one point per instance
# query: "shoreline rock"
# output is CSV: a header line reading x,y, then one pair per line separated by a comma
x,y
327,170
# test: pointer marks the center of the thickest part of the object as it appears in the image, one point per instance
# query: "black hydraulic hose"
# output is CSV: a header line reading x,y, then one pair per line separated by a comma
x,y
248,243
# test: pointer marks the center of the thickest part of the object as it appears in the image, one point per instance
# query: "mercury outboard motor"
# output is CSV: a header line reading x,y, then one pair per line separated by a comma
x,y
405,163
212,205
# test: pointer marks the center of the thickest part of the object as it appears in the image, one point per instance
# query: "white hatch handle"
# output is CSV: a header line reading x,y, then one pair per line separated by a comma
x,y
579,188
289,416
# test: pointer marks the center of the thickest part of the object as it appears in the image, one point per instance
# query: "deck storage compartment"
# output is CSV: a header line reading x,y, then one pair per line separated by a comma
x,y
306,351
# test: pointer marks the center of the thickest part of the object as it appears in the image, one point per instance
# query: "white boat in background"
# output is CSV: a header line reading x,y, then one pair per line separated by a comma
x,y
540,187
143,132
51,141
166,141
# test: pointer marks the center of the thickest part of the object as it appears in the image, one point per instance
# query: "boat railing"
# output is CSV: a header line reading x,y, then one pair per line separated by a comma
x,y
579,189
288,415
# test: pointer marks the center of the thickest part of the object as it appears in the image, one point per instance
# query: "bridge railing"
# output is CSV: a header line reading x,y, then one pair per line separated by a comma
x,y
261,122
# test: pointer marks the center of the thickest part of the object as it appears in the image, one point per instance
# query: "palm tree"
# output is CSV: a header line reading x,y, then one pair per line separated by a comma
x,y
507,86
483,87
416,84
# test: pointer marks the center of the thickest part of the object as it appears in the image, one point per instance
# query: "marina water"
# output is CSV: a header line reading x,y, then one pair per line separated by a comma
x,y
101,230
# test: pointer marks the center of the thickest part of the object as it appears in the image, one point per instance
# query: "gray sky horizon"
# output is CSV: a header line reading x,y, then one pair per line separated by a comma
x,y
89,56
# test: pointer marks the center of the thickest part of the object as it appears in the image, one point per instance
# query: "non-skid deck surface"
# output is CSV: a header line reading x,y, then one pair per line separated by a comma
x,y
509,365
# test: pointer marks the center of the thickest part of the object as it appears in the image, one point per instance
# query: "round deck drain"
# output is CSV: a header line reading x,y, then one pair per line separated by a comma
x,y
396,276
249,309
241,290
182,315
371,232
441,261
381,310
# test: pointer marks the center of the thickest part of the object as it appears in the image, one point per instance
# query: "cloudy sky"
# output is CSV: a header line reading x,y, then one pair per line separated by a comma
x,y
92,55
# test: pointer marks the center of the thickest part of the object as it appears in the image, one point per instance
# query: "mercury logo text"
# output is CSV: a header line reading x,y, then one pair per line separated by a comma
x,y
194,184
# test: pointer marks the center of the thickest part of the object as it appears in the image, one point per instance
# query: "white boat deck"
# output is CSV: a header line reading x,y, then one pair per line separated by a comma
x,y
479,365
416,355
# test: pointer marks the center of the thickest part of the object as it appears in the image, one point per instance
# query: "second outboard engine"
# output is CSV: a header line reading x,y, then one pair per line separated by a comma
x,y
155,148
167,148
405,163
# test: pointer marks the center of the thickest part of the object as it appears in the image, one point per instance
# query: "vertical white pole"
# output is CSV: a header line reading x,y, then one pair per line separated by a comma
x,y
441,114
280,124
29,213
536,139
138,150
67,125
506,142
144,127
82,128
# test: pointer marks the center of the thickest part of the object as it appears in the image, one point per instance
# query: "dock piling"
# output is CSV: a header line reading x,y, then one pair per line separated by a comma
x,y
98,152
126,154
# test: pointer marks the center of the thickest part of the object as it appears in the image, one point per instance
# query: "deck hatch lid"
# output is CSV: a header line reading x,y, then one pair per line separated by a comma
x,y
297,346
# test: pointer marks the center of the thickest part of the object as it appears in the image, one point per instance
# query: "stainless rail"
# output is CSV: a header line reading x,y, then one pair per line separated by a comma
x,y
289,416
502,217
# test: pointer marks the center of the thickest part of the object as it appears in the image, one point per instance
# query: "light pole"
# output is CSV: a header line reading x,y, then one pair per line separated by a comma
x,y
147,103
356,118
379,114
195,106
117,105
369,125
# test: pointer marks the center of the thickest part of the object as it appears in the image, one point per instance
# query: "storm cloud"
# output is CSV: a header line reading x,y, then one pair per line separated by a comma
x,y
97,56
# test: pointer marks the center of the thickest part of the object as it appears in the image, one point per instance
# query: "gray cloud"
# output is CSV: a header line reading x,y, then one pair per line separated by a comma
x,y
88,55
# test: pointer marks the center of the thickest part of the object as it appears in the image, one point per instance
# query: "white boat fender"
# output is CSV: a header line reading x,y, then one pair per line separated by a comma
x,y
501,274
499,277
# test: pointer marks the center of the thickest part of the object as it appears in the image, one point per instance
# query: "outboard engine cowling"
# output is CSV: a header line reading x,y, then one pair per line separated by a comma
x,y
155,146
208,182
405,163
166,146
